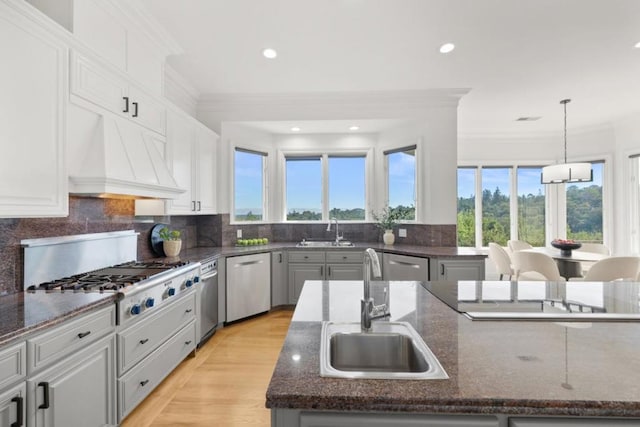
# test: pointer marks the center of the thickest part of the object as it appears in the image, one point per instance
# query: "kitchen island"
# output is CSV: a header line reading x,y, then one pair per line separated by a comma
x,y
517,373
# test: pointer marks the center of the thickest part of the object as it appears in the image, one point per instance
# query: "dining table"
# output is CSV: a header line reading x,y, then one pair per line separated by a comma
x,y
570,265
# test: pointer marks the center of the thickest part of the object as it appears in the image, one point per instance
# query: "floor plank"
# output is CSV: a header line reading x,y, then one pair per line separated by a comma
x,y
224,384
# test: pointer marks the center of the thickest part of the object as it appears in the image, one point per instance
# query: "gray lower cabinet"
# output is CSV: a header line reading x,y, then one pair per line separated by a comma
x,y
78,391
12,406
344,272
571,422
457,269
279,288
298,274
404,267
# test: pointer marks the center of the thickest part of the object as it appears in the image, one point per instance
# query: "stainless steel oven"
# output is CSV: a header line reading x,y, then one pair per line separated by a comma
x,y
208,299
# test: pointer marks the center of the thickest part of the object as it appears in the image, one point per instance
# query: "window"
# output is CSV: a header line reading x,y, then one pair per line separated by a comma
x,y
325,186
467,206
531,206
304,188
249,185
401,181
496,218
347,188
584,208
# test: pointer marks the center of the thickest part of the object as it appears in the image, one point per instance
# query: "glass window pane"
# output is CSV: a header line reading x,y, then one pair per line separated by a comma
x,y
531,208
248,186
304,189
495,206
467,207
584,208
347,188
402,183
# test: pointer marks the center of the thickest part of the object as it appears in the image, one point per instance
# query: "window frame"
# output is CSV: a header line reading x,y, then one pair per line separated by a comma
x,y
324,166
265,185
416,173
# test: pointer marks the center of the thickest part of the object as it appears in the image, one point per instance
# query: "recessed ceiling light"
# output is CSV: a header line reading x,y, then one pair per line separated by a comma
x,y
269,53
637,45
447,47
354,128
295,129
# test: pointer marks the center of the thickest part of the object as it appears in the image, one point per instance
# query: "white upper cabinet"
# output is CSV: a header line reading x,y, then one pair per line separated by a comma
x,y
33,181
192,155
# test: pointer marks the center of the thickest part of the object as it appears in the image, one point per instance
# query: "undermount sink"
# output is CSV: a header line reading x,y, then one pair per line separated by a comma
x,y
391,350
325,243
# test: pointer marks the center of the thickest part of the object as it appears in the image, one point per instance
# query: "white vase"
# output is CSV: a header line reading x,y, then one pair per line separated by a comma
x,y
388,238
171,247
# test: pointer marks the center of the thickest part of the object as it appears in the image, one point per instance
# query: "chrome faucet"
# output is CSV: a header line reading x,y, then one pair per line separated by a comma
x,y
338,236
368,310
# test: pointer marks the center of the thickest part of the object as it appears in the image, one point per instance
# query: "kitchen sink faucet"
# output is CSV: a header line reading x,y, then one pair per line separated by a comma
x,y
368,310
338,236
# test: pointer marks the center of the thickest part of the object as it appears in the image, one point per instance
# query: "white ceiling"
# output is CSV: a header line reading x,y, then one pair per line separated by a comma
x,y
519,58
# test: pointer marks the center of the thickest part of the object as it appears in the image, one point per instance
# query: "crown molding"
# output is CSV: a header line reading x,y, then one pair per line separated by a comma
x,y
530,136
411,99
187,93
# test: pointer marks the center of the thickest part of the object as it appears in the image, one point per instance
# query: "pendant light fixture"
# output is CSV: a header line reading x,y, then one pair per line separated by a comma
x,y
566,172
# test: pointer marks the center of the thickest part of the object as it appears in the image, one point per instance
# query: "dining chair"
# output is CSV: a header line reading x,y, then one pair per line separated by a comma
x,y
501,259
530,265
596,248
613,268
518,245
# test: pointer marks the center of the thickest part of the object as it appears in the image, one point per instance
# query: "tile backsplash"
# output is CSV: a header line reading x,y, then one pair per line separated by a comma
x,y
94,215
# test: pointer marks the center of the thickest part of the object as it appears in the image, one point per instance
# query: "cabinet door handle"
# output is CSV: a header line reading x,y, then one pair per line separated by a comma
x,y
329,271
322,270
442,269
126,104
193,205
144,341
188,310
135,109
45,386
144,383
19,409
280,258
83,334
187,342
199,206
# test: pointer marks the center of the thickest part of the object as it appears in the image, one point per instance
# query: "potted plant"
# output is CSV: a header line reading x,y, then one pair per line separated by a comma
x,y
171,242
386,220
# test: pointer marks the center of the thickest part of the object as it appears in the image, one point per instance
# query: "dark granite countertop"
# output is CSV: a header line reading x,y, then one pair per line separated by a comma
x,y
202,253
494,367
24,312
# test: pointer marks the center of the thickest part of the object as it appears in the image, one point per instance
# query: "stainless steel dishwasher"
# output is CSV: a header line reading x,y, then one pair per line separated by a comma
x,y
248,285
208,299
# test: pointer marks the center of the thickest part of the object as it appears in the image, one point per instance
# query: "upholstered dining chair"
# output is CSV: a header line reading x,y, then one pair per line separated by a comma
x,y
518,245
501,259
613,268
530,265
596,248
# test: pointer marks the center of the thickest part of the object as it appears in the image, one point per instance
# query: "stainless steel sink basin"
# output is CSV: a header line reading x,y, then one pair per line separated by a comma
x,y
392,350
325,243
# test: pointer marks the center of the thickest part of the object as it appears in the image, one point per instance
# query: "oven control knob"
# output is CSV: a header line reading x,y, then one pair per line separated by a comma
x,y
148,303
196,279
188,283
171,292
135,309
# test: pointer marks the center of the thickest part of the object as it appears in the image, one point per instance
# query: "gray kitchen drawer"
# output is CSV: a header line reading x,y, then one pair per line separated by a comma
x,y
13,364
138,341
343,256
306,256
135,385
69,337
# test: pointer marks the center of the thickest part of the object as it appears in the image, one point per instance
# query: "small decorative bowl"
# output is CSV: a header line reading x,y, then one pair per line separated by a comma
x,y
566,248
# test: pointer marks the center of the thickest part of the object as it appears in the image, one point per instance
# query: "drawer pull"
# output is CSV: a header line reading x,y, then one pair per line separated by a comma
x,y
344,257
83,334
126,104
135,109
143,383
187,342
19,409
45,385
188,310
144,341
306,257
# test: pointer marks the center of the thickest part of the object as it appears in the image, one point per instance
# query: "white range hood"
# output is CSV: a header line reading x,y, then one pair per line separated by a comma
x,y
119,158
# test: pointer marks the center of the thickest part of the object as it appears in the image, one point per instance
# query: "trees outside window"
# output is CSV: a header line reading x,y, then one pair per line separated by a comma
x,y
401,181
249,185
584,208
467,206
531,206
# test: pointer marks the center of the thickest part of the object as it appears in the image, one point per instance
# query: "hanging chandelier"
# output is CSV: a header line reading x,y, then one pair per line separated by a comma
x,y
566,172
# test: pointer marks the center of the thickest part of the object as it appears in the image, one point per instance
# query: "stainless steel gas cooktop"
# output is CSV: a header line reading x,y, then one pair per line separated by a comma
x,y
571,301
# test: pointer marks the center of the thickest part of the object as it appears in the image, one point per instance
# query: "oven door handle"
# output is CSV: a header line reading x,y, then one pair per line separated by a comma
x,y
209,275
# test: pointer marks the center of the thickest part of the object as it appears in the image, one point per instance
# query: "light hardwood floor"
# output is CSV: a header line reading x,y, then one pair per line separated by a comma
x,y
224,384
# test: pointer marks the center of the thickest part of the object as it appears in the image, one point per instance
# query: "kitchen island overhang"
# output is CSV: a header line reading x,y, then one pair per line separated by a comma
x,y
496,368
